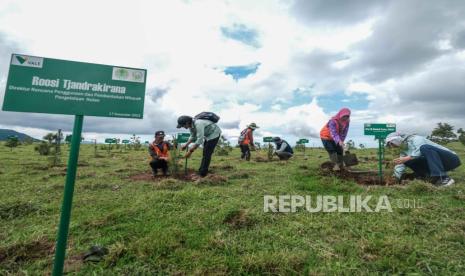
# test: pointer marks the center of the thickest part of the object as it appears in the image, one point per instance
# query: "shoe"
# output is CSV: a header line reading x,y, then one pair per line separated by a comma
x,y
445,181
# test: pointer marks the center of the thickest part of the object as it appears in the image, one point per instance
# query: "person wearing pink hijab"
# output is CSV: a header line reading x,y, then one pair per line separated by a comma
x,y
333,135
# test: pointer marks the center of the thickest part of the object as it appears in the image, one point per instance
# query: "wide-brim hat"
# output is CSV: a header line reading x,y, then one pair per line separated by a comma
x,y
253,126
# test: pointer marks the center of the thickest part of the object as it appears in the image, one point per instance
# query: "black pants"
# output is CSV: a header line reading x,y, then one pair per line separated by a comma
x,y
245,152
208,149
159,164
332,147
433,162
284,155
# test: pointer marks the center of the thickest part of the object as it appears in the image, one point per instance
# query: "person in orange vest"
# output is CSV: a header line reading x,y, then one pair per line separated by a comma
x,y
159,151
246,141
333,135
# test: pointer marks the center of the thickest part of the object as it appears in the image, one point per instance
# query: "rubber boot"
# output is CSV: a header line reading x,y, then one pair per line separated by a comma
x,y
340,162
335,160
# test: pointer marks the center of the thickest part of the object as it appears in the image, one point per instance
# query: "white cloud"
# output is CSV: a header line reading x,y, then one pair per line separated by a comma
x,y
181,45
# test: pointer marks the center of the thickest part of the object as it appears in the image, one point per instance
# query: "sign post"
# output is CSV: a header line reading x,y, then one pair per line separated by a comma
x,y
380,131
63,229
53,86
110,141
182,138
125,142
303,141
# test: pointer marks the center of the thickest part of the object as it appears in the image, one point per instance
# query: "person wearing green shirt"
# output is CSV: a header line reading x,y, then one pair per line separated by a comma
x,y
203,132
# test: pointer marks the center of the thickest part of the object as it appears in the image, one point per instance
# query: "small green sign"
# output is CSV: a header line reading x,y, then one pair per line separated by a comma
x,y
303,141
182,137
68,138
267,139
125,141
46,85
380,131
110,141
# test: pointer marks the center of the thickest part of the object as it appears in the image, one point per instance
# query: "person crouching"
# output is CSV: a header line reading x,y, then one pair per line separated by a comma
x,y
159,151
283,149
427,159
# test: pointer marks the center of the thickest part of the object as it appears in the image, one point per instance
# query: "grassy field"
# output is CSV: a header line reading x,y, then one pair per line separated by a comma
x,y
218,226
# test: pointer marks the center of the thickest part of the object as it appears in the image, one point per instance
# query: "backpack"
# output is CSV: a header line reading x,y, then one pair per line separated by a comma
x,y
210,116
242,136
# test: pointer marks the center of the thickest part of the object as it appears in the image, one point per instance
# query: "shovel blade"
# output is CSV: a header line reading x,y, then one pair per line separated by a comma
x,y
350,159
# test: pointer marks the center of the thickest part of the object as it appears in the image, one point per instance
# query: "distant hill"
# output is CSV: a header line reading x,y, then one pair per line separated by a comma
x,y
5,133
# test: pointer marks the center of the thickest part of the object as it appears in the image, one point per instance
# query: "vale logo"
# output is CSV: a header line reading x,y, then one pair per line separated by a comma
x,y
28,61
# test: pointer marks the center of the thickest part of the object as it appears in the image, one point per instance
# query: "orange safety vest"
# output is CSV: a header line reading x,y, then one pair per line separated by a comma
x,y
161,153
247,137
325,134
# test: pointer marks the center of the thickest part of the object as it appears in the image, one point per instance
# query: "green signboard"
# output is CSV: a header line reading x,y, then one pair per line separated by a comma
x,y
46,85
380,131
267,139
303,141
110,141
182,137
68,138
125,141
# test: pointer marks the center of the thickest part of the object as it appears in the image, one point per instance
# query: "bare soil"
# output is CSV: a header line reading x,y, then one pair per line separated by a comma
x,y
361,177
238,219
147,176
23,252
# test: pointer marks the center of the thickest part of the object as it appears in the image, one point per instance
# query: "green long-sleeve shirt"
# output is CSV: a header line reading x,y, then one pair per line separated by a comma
x,y
203,130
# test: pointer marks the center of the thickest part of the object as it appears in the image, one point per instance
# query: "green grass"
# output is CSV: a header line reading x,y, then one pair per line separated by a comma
x,y
178,227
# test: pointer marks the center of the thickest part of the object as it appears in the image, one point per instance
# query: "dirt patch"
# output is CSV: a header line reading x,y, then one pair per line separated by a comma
x,y
261,159
212,180
170,184
363,177
240,175
191,176
459,197
23,252
83,164
226,167
86,175
238,219
17,210
96,187
327,166
264,159
55,174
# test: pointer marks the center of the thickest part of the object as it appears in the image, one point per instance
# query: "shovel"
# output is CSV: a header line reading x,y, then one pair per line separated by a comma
x,y
350,159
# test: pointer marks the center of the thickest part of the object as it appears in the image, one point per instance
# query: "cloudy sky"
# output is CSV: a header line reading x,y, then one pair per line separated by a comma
x,y
285,65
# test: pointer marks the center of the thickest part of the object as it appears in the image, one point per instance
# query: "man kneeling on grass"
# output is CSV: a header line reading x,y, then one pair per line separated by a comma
x,y
427,159
159,151
283,149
